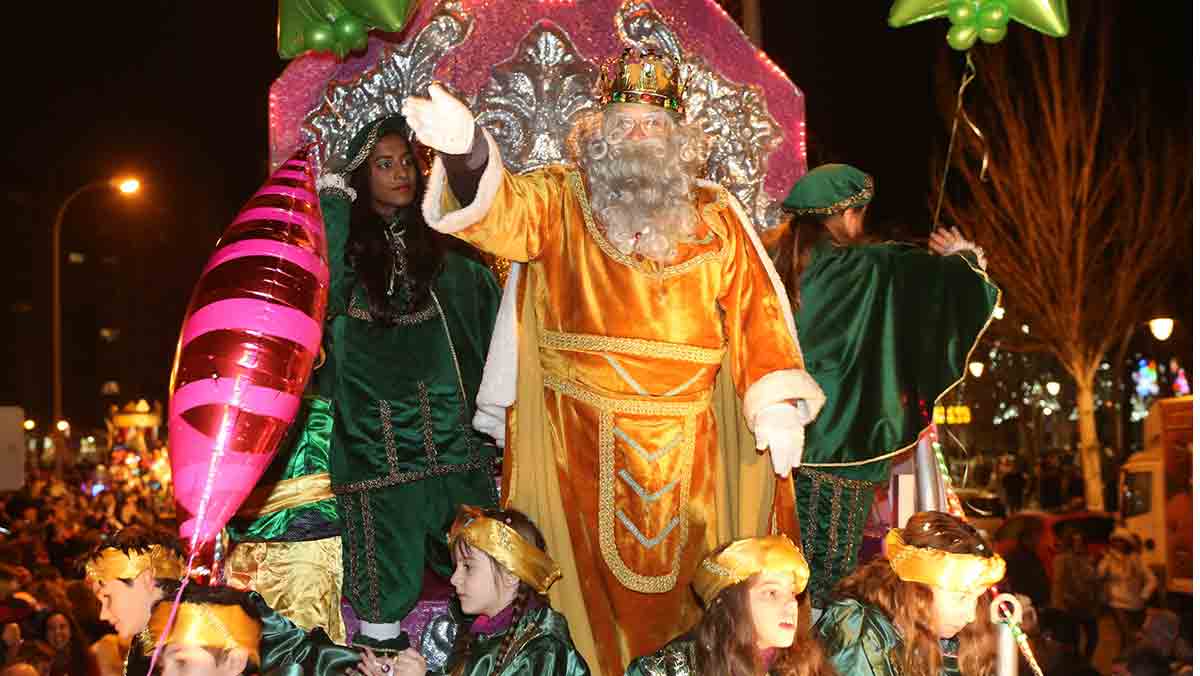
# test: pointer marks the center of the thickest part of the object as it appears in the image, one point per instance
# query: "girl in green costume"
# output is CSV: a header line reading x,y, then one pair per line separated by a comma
x,y
919,610
406,334
501,577
755,617
886,328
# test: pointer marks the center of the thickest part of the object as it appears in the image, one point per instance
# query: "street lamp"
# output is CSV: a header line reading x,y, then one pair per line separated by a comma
x,y
1052,388
62,425
1162,327
126,186
29,425
976,368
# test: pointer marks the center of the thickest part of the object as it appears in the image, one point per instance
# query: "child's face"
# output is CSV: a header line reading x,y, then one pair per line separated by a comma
x,y
478,583
953,610
774,609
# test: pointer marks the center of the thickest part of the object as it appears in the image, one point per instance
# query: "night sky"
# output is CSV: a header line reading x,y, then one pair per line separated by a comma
x,y
176,92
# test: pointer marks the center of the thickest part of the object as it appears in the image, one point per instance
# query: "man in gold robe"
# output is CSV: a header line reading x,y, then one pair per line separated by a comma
x,y
648,308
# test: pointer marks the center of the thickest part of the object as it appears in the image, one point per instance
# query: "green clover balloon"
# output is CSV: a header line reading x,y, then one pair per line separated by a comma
x,y
338,26
986,20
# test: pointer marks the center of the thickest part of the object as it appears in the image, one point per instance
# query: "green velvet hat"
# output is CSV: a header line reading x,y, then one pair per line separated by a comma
x,y
364,141
830,189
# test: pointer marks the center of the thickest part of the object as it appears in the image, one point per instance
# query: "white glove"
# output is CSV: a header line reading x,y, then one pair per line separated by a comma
x,y
441,121
780,427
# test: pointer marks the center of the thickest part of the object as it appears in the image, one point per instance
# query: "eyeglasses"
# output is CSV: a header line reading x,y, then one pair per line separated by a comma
x,y
619,126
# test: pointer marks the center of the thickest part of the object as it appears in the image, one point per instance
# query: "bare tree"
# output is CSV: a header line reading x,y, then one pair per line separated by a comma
x,y
1085,202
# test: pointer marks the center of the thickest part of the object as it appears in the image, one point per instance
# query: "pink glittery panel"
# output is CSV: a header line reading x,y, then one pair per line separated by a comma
x,y
702,26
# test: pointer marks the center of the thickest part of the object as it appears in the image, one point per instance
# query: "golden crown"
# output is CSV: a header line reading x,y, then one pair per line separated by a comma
x,y
642,76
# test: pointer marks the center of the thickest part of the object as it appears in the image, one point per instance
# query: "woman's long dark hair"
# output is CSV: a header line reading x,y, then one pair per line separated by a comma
x,y
909,605
368,253
793,251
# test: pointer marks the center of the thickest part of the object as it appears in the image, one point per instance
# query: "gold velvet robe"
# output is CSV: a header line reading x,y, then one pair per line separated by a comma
x,y
614,448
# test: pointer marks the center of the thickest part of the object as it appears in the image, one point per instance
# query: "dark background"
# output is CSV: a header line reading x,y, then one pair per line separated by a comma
x,y
176,93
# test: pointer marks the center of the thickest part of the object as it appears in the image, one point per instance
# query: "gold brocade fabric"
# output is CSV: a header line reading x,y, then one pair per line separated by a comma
x,y
936,568
285,494
113,564
744,559
300,580
530,564
620,463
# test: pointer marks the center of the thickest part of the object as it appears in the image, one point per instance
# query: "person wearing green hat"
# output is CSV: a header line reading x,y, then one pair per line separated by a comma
x,y
885,328
407,327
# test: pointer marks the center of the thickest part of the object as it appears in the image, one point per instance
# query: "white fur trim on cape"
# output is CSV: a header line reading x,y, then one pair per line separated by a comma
x,y
498,387
461,219
786,385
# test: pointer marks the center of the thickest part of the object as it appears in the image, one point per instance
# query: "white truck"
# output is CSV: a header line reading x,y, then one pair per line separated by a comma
x,y
1156,493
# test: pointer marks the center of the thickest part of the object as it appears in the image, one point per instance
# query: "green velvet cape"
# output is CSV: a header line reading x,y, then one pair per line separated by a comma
x,y
542,646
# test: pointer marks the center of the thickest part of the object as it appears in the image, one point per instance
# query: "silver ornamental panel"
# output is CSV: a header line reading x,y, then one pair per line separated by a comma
x,y
531,101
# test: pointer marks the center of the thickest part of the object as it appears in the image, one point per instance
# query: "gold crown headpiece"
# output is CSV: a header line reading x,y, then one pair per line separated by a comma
x,y
207,625
743,559
114,564
642,76
937,568
504,544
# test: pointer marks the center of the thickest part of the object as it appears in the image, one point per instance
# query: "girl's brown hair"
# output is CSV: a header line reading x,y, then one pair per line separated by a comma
x,y
530,532
910,604
793,250
725,642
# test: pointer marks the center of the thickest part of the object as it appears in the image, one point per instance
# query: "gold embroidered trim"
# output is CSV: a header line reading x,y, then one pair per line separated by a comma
x,y
638,347
861,197
373,569
410,319
611,251
427,423
672,409
646,584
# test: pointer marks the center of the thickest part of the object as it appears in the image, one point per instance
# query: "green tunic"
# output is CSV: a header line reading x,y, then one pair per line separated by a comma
x,y
677,658
542,646
861,641
886,329
403,455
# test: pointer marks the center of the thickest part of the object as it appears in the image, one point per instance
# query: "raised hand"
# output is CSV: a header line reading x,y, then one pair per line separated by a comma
x,y
441,121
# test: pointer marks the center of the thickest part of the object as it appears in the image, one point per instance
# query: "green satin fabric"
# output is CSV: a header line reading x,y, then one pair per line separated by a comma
x,y
288,649
677,658
399,408
858,639
885,329
305,452
542,647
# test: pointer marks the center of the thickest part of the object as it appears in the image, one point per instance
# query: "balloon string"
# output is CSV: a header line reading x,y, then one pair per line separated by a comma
x,y
967,76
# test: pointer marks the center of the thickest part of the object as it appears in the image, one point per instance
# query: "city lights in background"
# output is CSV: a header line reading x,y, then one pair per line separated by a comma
x,y
29,425
128,186
1053,388
976,368
1162,327
62,425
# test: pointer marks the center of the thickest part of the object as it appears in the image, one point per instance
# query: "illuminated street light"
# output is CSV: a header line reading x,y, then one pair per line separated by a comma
x,y
1052,388
1047,411
30,425
128,186
1162,327
976,368
998,313
62,425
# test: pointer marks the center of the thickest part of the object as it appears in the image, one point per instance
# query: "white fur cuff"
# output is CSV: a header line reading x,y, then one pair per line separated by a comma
x,y
336,183
434,208
788,385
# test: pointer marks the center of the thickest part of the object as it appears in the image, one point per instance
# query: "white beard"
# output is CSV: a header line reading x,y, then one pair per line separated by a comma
x,y
642,194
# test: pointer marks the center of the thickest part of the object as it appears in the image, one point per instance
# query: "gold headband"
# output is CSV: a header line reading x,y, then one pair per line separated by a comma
x,y
530,564
936,568
207,625
743,559
113,564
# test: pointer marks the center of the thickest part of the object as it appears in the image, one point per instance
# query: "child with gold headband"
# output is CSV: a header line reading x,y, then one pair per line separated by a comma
x,y
139,568
756,617
920,609
215,631
501,576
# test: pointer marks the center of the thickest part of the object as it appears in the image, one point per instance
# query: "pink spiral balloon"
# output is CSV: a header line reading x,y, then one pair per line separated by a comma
x,y
249,339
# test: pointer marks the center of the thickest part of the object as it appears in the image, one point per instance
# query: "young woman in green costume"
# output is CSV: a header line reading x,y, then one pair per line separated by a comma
x,y
920,609
756,617
886,328
501,577
406,333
